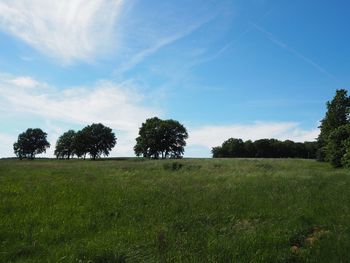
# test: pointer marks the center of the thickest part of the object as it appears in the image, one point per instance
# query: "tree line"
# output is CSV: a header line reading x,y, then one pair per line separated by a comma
x,y
157,139
265,148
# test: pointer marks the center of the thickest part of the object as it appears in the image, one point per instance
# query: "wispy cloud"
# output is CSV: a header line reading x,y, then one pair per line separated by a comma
x,y
114,104
214,135
66,29
26,82
171,22
163,41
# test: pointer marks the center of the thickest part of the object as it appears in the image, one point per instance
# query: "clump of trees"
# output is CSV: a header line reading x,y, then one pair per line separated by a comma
x,y
265,148
334,138
30,143
95,140
161,139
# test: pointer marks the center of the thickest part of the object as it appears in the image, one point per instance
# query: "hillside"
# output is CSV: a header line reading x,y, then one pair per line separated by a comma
x,y
190,210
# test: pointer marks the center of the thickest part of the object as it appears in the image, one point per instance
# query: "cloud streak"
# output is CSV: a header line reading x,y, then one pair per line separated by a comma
x,y
67,29
291,50
153,30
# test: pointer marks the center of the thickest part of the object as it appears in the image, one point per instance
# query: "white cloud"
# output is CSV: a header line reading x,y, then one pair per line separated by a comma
x,y
118,106
64,29
6,142
26,82
211,136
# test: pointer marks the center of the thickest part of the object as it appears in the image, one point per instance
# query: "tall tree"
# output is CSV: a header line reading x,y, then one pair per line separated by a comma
x,y
30,143
97,140
65,145
161,139
337,114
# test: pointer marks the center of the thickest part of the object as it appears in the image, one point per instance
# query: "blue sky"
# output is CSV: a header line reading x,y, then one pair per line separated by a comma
x,y
247,69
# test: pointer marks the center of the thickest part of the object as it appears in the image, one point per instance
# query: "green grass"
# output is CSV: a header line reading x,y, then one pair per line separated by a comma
x,y
191,210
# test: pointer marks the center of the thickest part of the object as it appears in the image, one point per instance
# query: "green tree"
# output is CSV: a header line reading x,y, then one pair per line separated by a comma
x,y
217,152
96,140
161,139
338,142
249,149
30,143
80,147
65,145
233,148
337,115
346,157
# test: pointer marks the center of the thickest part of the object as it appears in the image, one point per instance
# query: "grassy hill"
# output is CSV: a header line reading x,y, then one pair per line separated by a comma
x,y
191,210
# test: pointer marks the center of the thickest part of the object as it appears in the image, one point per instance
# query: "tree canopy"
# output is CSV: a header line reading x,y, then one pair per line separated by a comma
x,y
337,114
65,145
336,148
98,140
30,143
161,139
95,140
334,138
265,148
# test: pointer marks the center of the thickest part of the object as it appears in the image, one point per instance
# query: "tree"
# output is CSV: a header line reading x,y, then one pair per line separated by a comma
x,y
346,157
80,146
65,145
338,142
264,148
96,140
161,139
217,152
337,115
233,148
30,143
249,149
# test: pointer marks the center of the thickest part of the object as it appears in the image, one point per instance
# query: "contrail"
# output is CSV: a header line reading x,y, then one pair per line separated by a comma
x,y
283,45
237,38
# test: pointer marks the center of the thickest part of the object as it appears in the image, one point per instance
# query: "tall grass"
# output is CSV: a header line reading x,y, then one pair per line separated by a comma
x,y
191,210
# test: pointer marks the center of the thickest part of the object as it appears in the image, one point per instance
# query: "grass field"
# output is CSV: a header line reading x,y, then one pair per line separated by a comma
x,y
191,210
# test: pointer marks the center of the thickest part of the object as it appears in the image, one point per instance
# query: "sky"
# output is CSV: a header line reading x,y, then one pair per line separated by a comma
x,y
247,69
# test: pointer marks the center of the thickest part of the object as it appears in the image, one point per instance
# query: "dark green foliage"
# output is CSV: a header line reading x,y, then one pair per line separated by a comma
x,y
98,140
65,145
30,143
337,115
249,149
265,148
233,147
337,144
130,211
346,157
161,139
80,144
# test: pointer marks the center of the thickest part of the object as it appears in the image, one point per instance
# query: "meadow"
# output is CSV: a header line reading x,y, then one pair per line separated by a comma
x,y
189,210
